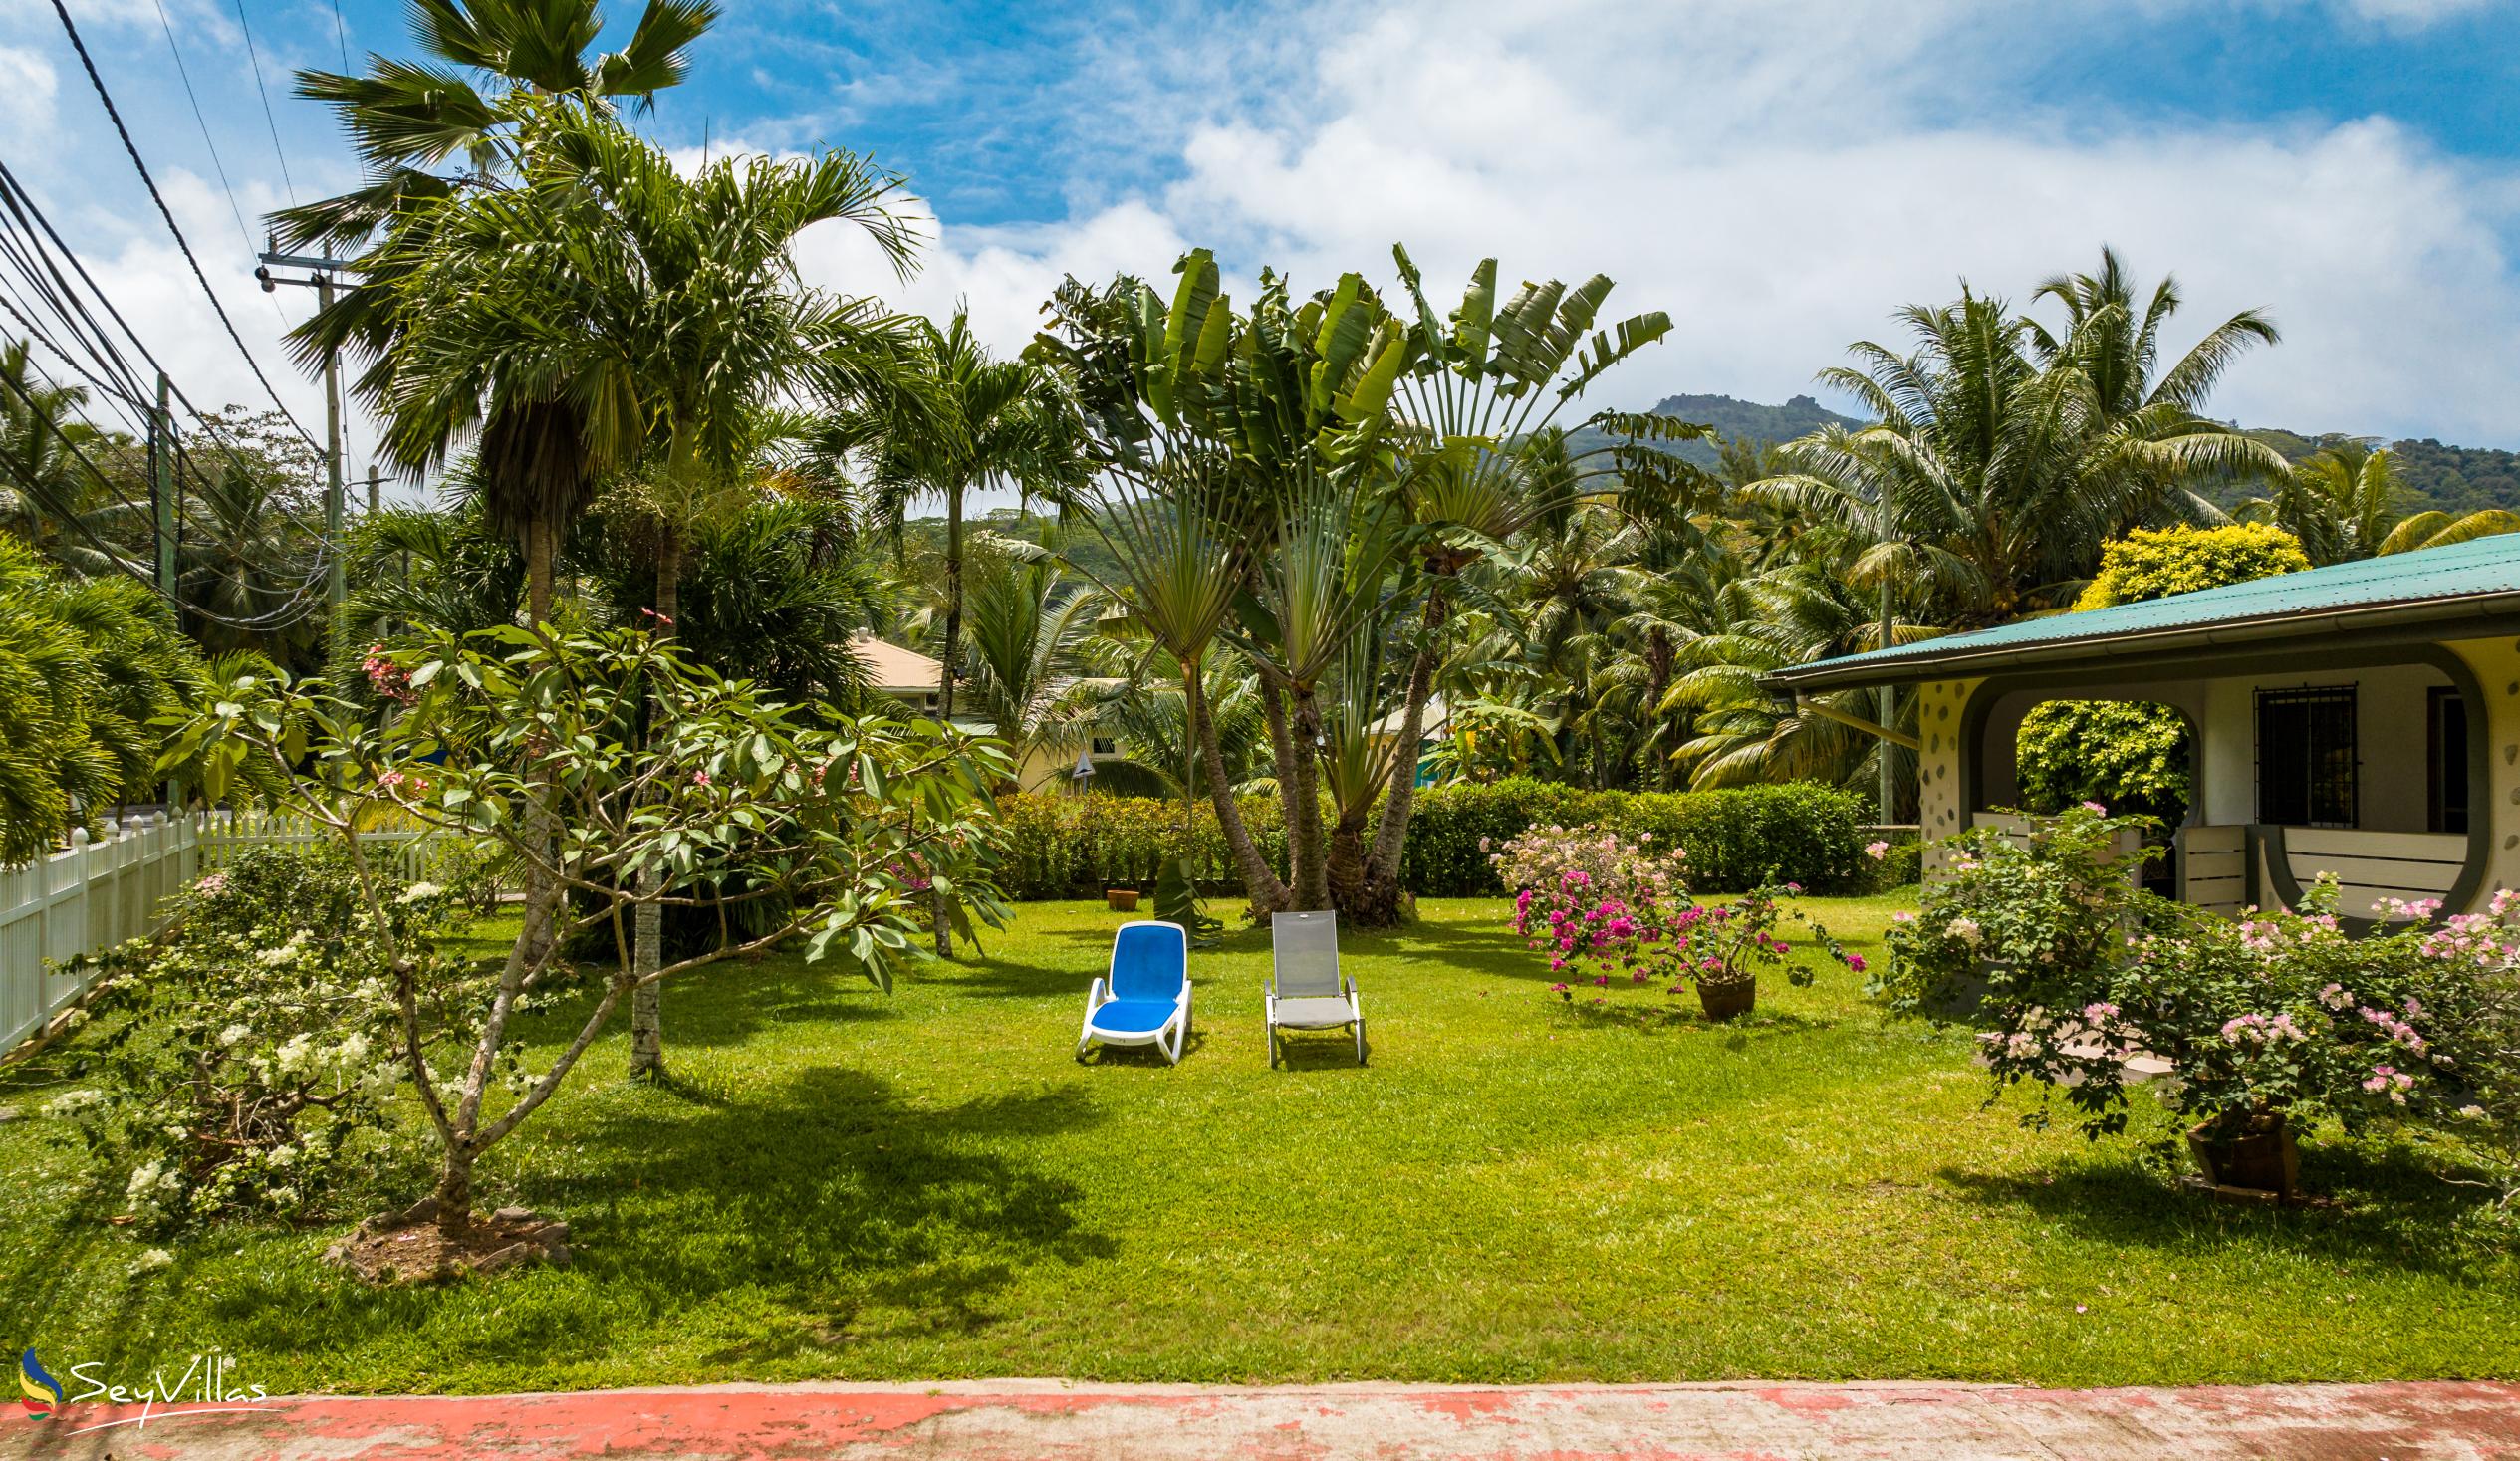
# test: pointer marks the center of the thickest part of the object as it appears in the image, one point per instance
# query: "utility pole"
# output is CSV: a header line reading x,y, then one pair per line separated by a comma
x,y
323,281
1886,749
163,485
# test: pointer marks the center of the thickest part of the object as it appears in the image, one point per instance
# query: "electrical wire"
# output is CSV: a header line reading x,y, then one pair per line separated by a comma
x,y
340,36
114,113
297,607
255,57
217,163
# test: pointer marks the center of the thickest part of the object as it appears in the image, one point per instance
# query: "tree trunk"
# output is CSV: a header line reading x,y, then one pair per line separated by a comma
x,y
1283,758
1312,883
647,1000
1378,897
1260,884
454,1191
945,689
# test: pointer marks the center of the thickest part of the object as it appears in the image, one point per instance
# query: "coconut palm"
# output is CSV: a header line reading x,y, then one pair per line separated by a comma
x,y
2345,501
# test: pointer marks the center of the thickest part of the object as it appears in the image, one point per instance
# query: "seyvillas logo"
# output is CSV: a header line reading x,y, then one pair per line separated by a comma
x,y
203,1386
38,1392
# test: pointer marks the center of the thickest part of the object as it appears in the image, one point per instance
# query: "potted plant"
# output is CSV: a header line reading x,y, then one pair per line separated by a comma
x,y
1121,899
2268,1023
1617,914
1725,946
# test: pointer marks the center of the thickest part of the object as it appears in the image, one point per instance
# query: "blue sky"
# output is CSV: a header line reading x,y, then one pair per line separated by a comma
x,y
1778,175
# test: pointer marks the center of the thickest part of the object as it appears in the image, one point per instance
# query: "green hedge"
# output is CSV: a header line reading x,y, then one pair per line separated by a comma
x,y
1735,838
1070,847
1062,847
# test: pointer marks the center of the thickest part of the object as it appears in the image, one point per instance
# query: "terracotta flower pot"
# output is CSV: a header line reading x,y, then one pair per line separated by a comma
x,y
2262,1156
1724,1001
1121,899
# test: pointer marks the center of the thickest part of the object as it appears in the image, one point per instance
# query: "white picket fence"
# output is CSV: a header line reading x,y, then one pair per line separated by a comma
x,y
103,890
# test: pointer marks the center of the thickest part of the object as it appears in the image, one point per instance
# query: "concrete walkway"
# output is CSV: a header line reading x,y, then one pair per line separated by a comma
x,y
985,1420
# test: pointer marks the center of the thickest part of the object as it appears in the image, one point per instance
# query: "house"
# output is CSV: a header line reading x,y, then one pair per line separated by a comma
x,y
2360,719
1433,724
918,681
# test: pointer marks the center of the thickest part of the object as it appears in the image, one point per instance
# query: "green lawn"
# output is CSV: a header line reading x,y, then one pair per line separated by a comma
x,y
851,1186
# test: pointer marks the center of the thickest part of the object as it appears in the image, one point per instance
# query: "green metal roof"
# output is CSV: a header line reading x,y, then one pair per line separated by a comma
x,y
2438,585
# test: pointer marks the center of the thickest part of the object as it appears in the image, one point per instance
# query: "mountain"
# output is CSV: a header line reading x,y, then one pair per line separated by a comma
x,y
1733,420
2455,479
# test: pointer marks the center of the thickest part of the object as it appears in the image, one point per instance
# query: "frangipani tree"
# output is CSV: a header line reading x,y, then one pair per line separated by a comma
x,y
836,822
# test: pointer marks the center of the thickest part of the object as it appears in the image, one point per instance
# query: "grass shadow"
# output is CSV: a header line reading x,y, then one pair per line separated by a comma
x,y
828,1194
2387,1209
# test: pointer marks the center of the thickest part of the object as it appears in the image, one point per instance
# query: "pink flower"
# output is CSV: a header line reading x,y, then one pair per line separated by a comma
x,y
699,778
1877,851
1855,962
2094,808
663,620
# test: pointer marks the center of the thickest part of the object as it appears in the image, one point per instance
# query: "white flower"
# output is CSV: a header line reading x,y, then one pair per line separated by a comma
x,y
2471,1113
71,1103
420,891
1965,931
154,1259
235,1034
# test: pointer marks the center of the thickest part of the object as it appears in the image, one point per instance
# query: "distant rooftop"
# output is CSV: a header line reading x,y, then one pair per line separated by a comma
x,y
2438,585
896,670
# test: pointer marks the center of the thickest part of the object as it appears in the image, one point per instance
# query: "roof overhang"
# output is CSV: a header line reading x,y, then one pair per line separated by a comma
x,y
2190,646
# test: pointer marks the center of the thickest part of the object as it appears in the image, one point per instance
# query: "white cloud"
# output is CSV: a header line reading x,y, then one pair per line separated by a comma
x,y
27,88
1780,184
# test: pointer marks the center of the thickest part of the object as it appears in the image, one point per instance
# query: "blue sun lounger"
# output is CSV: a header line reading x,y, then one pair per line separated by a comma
x,y
1146,998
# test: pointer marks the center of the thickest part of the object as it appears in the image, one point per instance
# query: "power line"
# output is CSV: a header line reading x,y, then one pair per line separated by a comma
x,y
270,121
129,147
340,36
216,162
297,607
17,207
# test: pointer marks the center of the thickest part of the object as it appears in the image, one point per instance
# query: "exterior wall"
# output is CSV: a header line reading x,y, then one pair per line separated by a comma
x,y
2388,731
2496,665
1942,808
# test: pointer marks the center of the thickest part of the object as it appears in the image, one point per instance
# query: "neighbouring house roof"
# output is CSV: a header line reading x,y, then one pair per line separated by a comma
x,y
2442,588
1430,726
896,670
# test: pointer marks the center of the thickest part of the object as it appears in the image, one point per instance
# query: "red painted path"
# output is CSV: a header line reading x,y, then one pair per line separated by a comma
x,y
985,1420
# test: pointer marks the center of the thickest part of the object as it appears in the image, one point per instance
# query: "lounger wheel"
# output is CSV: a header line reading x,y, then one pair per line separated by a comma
x,y
1360,1041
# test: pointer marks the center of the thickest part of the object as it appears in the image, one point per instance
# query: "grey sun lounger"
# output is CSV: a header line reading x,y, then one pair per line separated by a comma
x,y
1305,990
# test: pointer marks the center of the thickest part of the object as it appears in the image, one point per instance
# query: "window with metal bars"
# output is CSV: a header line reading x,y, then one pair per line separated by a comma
x,y
2305,758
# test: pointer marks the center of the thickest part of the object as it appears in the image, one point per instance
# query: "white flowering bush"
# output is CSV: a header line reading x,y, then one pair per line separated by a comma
x,y
248,1058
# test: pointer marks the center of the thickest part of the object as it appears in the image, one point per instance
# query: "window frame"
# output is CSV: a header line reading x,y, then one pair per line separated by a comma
x,y
2311,698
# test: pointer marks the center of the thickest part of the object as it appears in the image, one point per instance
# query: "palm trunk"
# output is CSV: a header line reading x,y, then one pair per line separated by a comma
x,y
648,998
1312,884
1281,756
1260,884
1379,898
946,691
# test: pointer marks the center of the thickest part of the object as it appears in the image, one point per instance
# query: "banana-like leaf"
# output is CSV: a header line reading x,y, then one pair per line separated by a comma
x,y
1474,320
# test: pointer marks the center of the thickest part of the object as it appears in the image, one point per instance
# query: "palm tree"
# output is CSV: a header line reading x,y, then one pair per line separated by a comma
x,y
996,423
50,495
483,67
1027,628
666,313
246,557
2342,502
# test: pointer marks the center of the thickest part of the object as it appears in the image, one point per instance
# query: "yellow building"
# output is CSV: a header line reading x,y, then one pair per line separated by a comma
x,y
918,681
2361,720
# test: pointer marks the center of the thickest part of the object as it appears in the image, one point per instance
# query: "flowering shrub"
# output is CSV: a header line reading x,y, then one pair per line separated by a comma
x,y
250,1056
2275,1014
2017,916
1614,913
